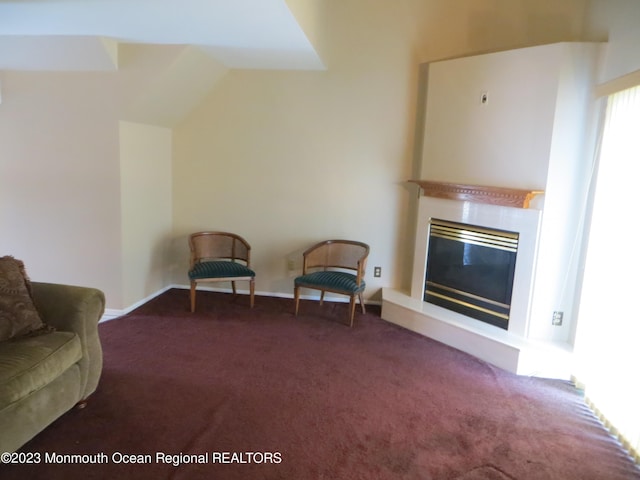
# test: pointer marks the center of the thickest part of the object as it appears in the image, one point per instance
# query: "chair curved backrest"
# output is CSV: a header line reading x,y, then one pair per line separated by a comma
x,y
338,254
208,246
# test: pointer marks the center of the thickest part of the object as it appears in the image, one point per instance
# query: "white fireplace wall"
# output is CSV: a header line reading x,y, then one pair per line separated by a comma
x,y
504,142
533,133
569,171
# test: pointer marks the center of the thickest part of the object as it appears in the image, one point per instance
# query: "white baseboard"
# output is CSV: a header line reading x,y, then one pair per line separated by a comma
x,y
111,313
329,298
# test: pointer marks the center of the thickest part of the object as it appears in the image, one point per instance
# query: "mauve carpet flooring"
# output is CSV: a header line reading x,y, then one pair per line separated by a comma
x,y
372,402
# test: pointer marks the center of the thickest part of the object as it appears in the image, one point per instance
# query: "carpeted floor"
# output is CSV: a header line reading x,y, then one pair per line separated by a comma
x,y
260,394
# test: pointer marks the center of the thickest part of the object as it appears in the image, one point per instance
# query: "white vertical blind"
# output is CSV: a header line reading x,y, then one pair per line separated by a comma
x,y
607,347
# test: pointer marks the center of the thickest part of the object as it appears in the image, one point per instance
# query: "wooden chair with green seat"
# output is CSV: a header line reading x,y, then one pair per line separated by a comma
x,y
324,266
220,257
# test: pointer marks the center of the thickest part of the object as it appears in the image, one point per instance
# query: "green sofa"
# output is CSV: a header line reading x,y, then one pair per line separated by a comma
x,y
44,376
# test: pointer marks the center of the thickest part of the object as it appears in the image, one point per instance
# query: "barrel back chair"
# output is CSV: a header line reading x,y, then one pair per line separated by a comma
x,y
336,266
220,257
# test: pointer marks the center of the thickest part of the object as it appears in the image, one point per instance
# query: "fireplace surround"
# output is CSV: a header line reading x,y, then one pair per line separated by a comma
x,y
512,348
525,222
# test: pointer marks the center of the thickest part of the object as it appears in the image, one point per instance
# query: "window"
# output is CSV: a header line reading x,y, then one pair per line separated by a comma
x,y
607,346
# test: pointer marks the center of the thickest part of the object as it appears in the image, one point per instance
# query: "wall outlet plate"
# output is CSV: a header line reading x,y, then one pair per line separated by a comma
x,y
557,318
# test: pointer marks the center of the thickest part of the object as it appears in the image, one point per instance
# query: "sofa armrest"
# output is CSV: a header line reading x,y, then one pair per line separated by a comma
x,y
75,309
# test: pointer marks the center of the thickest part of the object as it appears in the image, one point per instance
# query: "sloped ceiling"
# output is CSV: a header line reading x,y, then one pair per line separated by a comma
x,y
83,35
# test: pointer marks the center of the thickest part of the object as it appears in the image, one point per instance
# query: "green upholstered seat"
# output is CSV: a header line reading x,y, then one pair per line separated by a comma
x,y
220,269
331,280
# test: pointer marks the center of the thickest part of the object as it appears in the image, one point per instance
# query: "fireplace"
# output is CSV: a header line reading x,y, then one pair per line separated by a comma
x,y
470,270
515,344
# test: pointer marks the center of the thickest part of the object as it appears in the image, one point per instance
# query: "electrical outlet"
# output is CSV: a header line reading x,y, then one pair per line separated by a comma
x,y
557,318
291,264
377,271
484,98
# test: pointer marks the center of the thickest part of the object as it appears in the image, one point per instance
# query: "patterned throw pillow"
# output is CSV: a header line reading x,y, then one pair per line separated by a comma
x,y
18,314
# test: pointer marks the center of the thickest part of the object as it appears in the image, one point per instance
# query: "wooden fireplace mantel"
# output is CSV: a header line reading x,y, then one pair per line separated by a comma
x,y
507,197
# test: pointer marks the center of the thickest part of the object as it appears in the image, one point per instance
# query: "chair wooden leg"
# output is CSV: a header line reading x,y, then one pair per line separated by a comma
x,y
296,295
321,296
193,296
252,288
361,302
233,287
352,309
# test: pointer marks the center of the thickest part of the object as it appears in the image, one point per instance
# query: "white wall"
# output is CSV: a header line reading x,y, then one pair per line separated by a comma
x,y
503,143
570,165
70,171
145,201
286,159
59,179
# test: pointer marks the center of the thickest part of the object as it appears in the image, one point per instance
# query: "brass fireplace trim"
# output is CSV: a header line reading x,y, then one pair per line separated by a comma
x,y
507,197
464,294
499,315
475,235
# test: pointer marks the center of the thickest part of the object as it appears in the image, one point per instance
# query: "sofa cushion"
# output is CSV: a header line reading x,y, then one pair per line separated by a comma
x,y
18,314
29,363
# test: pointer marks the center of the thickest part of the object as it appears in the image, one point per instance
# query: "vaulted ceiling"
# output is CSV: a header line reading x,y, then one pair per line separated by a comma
x,y
84,35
